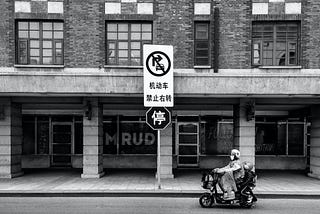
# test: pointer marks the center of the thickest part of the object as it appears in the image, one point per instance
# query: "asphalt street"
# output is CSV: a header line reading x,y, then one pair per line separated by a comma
x,y
147,205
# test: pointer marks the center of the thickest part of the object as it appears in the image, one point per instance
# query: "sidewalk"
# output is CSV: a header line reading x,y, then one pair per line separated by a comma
x,y
125,182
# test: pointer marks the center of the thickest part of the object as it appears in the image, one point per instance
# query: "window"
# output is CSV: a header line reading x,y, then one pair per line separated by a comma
x,y
201,43
128,135
125,42
216,135
280,137
275,44
39,43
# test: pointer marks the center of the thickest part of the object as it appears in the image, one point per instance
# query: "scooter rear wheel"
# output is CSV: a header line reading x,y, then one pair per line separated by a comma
x,y
206,200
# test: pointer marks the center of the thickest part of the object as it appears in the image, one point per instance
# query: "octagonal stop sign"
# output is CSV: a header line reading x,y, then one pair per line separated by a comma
x,y
158,118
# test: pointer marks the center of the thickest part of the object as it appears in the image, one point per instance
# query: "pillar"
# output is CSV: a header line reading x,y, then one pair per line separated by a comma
x,y
315,142
244,129
166,153
92,139
10,139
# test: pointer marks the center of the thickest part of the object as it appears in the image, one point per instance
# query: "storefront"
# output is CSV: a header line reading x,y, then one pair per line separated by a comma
x,y
198,141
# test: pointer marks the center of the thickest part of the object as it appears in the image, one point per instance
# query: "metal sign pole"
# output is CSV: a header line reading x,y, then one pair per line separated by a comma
x,y
158,170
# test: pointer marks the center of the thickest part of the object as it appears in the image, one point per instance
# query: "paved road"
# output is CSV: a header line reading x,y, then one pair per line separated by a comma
x,y
146,205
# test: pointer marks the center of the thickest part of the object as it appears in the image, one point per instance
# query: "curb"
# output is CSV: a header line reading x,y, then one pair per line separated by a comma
x,y
148,194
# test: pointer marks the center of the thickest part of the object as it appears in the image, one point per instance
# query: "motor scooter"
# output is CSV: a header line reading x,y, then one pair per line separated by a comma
x,y
244,196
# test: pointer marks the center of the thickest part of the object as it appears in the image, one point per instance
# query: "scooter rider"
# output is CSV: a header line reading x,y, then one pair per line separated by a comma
x,y
231,174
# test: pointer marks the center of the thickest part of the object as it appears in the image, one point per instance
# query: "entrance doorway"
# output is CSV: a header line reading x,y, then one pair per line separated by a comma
x,y
188,144
62,138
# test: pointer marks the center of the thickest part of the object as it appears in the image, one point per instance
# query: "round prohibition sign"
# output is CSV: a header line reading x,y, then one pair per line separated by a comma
x,y
156,58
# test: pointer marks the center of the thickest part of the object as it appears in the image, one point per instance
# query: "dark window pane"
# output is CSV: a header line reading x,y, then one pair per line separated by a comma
x,y
266,139
78,138
23,52
201,61
188,160
28,140
188,150
43,137
295,139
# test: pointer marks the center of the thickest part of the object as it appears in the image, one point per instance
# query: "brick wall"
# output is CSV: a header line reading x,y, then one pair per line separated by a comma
x,y
84,25
6,33
310,34
235,27
173,25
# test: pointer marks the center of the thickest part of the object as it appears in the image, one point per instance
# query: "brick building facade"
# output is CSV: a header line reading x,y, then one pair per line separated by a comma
x,y
246,75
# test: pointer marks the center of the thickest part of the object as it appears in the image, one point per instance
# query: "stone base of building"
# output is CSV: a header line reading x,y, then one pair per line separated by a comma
x,y
12,175
314,175
165,176
93,175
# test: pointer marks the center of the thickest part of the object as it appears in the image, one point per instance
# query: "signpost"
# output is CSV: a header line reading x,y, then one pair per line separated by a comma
x,y
158,89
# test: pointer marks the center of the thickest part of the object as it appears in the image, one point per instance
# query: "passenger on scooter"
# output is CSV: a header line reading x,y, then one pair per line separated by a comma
x,y
231,173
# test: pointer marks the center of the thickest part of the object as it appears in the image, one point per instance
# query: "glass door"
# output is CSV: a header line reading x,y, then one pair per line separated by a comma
x,y
61,143
188,144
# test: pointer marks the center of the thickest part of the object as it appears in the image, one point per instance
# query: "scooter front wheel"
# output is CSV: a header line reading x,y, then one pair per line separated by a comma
x,y
206,200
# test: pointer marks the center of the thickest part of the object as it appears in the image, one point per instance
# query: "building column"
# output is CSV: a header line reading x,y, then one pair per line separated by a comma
x,y
92,139
166,152
315,142
10,139
244,129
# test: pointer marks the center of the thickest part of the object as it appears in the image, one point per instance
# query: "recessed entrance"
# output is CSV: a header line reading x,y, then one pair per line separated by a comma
x,y
188,144
61,143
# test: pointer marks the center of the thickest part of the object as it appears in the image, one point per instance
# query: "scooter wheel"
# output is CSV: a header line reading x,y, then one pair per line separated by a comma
x,y
206,200
246,205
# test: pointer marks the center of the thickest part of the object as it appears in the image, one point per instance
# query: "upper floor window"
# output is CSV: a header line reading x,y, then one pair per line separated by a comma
x,y
124,42
39,43
201,44
275,44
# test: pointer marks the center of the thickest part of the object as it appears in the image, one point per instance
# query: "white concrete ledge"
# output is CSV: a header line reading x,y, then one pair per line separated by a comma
x,y
98,82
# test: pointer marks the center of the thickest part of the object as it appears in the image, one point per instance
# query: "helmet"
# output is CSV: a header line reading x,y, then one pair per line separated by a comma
x,y
247,165
235,154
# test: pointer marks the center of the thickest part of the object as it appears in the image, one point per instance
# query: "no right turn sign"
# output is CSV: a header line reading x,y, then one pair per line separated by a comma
x,y
158,75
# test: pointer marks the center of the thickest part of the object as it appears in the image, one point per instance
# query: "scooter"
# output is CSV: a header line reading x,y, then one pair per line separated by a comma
x,y
244,196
